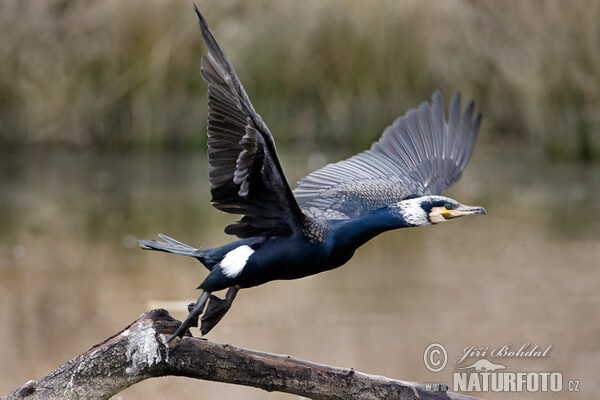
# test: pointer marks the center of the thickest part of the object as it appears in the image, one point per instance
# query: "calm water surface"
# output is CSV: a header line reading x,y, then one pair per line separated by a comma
x,y
71,273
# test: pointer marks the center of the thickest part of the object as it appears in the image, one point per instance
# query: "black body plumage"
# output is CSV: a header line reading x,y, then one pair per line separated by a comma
x,y
287,234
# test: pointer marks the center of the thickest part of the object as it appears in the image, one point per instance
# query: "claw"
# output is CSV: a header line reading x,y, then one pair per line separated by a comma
x,y
192,318
190,308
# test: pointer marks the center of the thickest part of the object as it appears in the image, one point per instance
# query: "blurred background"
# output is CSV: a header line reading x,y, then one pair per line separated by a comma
x,y
102,142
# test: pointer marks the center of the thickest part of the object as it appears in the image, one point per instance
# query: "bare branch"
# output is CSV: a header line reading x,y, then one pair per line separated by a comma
x,y
139,352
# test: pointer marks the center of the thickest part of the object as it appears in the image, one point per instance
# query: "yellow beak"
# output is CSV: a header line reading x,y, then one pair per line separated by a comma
x,y
461,211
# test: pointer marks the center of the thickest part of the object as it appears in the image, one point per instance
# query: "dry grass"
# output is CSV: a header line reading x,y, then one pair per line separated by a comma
x,y
115,74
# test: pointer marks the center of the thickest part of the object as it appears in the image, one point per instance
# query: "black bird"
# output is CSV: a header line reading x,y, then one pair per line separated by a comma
x,y
287,234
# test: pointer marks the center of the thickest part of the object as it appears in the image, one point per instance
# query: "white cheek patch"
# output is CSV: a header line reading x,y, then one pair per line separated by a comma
x,y
234,262
413,213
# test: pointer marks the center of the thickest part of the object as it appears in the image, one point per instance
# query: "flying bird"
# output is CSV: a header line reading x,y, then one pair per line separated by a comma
x,y
290,234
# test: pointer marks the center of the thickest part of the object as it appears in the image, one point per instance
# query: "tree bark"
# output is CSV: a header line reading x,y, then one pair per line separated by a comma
x,y
139,352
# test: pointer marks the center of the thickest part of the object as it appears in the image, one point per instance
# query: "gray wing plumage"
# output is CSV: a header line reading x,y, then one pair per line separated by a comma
x,y
419,154
245,175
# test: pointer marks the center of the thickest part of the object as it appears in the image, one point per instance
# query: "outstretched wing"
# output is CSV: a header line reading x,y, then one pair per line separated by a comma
x,y
419,154
244,172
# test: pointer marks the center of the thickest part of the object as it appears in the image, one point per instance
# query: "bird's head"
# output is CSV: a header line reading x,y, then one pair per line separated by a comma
x,y
427,210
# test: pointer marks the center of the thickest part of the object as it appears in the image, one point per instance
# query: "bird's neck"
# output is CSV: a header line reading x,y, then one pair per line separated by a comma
x,y
353,233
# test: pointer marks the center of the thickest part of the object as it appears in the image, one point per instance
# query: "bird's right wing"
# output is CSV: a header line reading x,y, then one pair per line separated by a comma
x,y
419,154
244,172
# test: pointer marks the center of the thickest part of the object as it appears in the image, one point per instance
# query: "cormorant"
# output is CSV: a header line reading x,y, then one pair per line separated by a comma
x,y
287,234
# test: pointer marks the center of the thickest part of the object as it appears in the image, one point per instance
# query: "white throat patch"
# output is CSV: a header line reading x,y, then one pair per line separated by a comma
x,y
412,212
234,262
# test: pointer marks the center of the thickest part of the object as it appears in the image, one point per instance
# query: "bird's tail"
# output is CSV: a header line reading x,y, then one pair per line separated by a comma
x,y
171,245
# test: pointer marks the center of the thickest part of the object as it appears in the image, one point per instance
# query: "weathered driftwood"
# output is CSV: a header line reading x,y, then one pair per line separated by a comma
x,y
139,352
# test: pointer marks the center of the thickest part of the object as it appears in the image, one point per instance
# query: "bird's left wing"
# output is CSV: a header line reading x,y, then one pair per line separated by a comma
x,y
245,175
419,154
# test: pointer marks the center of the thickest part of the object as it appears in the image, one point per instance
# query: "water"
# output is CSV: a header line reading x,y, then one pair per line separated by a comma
x,y
71,273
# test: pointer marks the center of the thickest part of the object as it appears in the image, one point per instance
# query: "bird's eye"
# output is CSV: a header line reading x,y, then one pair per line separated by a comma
x,y
448,206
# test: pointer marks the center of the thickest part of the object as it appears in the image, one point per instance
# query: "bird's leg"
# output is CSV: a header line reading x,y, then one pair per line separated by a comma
x,y
192,318
216,309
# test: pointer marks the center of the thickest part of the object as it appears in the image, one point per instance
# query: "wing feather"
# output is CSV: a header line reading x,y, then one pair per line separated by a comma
x,y
419,154
244,172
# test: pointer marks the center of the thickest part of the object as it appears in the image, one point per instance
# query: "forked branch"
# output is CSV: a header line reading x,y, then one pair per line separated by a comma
x,y
139,352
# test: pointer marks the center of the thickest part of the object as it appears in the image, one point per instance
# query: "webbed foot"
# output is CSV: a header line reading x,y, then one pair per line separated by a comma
x,y
216,309
192,318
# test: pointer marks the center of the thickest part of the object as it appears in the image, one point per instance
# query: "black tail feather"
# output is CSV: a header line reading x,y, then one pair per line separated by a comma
x,y
170,245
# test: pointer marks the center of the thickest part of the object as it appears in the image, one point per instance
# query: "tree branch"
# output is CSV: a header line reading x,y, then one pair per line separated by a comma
x,y
139,352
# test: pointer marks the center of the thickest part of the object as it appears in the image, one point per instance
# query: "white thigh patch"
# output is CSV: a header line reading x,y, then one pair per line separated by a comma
x,y
234,262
